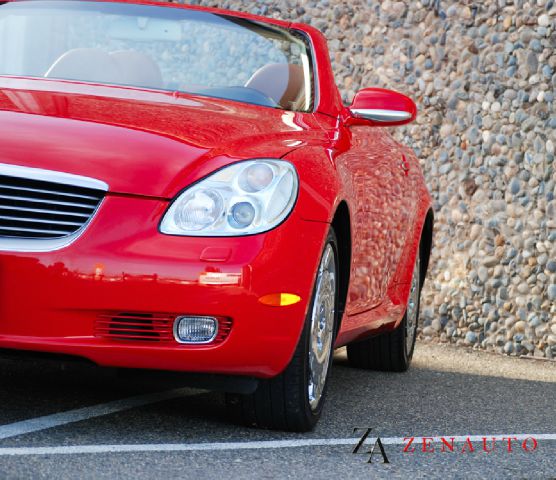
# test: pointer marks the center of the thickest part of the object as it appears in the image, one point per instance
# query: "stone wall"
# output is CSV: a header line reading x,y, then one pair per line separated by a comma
x,y
483,75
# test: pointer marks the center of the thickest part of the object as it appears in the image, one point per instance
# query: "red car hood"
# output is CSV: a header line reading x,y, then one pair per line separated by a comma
x,y
139,142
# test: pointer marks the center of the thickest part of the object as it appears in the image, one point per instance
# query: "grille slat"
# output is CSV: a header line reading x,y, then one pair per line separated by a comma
x,y
14,218
35,230
39,209
109,325
15,199
47,192
138,337
45,211
112,319
125,330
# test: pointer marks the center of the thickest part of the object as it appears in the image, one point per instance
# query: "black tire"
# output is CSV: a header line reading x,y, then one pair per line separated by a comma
x,y
388,352
282,402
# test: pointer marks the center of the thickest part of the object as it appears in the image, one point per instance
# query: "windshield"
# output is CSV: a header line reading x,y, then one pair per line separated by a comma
x,y
157,48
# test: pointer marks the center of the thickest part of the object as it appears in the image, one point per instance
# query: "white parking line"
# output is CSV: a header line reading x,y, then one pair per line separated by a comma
x,y
271,444
71,416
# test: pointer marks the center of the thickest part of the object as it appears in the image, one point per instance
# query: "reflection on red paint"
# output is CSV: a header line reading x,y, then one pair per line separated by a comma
x,y
219,278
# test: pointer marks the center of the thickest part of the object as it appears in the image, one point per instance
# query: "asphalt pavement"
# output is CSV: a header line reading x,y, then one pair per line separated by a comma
x,y
79,421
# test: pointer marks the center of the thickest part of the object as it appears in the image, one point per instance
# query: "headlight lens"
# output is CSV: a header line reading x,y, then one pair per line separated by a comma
x,y
256,177
242,199
201,209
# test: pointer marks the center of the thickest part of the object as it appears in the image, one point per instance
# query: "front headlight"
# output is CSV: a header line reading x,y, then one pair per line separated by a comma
x,y
242,199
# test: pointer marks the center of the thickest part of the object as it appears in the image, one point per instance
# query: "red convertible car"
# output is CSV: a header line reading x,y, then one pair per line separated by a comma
x,y
183,189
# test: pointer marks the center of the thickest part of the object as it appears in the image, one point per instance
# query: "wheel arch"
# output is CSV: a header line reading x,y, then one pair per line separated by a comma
x,y
341,223
426,244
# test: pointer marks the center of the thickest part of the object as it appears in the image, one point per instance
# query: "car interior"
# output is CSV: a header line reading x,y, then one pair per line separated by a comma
x,y
121,67
274,85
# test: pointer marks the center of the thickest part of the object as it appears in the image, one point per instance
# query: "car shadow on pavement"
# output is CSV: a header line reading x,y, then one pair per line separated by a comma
x,y
421,402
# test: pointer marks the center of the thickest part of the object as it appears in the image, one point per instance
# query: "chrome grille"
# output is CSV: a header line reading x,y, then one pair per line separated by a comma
x,y
42,210
39,209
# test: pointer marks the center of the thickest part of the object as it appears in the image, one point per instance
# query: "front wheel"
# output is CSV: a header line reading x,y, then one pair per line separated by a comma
x,y
293,400
392,351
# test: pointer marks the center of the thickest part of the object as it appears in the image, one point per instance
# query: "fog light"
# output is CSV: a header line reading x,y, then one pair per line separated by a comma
x,y
195,329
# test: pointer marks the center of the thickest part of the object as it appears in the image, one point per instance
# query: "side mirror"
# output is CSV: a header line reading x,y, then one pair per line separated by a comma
x,y
380,107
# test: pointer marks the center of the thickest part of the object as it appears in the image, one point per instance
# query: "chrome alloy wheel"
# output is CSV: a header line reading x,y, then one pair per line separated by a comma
x,y
412,308
322,327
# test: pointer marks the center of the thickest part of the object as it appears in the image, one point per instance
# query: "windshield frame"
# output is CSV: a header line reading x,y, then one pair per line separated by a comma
x,y
244,20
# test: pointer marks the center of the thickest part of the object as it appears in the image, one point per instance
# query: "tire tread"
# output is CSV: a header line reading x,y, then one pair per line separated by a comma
x,y
384,353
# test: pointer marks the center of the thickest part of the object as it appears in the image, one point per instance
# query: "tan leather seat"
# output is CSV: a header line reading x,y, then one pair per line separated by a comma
x,y
138,69
284,83
126,67
86,64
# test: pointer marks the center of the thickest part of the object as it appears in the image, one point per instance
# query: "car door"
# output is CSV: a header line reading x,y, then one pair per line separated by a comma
x,y
381,212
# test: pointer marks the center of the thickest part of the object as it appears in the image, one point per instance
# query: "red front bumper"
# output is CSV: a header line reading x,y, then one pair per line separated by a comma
x,y
50,301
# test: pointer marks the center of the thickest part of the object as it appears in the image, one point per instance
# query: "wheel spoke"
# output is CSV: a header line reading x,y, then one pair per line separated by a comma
x,y
322,327
412,308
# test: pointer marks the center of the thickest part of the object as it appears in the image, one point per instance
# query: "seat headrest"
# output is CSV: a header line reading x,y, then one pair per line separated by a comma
x,y
125,67
86,64
138,69
284,83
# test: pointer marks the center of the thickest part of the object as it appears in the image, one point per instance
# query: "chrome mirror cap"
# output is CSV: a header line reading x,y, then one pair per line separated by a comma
x,y
381,116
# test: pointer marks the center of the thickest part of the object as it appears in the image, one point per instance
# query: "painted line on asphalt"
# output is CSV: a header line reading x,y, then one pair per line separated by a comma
x,y
257,445
71,416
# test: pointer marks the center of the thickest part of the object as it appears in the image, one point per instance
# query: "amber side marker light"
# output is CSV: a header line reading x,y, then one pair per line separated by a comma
x,y
280,299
